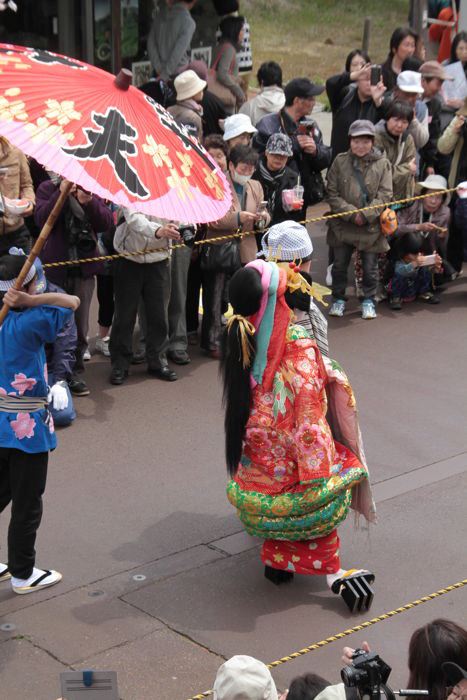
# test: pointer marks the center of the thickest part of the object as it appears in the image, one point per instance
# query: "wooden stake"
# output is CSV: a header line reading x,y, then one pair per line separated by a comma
x,y
39,244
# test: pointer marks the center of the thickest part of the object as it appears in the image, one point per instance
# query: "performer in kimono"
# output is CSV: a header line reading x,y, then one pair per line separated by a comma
x,y
26,425
294,477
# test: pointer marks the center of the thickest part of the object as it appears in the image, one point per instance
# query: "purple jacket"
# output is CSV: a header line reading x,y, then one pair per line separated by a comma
x,y
56,247
60,354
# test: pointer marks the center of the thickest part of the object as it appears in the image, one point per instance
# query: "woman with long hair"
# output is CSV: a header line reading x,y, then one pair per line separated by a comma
x,y
403,43
223,80
292,483
455,89
430,646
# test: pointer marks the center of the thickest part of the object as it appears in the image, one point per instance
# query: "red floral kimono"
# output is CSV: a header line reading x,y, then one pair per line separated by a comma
x,y
294,483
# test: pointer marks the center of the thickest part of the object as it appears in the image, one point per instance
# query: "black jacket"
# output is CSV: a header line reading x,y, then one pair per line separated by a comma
x,y
429,153
308,166
346,107
273,194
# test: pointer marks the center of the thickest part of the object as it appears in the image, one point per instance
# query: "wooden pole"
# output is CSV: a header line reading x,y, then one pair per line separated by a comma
x,y
366,34
39,244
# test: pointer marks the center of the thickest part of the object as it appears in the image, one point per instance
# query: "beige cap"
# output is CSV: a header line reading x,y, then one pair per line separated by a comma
x,y
188,84
244,678
433,69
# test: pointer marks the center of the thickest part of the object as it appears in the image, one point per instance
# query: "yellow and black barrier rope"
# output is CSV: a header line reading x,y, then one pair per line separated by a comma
x,y
240,234
357,628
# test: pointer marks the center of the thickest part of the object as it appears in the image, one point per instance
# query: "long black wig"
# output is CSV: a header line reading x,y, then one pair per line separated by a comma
x,y
245,293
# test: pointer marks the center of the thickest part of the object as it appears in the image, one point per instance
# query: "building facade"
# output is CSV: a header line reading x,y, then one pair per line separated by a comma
x,y
108,33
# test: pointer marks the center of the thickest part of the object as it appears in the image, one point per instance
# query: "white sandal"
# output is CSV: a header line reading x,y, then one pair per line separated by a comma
x,y
44,580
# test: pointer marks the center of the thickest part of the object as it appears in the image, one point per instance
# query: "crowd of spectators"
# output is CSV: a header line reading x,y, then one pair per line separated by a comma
x,y
398,130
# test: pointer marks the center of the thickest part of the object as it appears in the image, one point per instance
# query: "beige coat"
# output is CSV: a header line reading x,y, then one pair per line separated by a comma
x,y
345,194
452,142
17,184
399,152
229,223
185,113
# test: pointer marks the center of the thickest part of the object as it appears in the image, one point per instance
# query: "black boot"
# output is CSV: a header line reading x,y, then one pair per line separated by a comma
x,y
277,576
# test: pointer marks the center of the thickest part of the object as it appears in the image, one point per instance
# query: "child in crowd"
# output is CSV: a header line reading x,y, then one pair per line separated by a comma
x,y
357,178
26,426
412,272
290,242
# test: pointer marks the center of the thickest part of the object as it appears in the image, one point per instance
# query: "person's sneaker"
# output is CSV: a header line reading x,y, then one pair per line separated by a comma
x,y
395,303
38,580
78,387
329,275
102,346
118,375
86,355
337,308
430,298
368,309
4,573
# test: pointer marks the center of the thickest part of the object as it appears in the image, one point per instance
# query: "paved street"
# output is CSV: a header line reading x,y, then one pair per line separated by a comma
x,y
160,582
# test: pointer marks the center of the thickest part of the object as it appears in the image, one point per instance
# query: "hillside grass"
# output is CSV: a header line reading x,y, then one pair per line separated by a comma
x,y
313,37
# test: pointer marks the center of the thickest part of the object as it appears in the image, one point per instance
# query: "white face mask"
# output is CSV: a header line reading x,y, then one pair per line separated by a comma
x,y
240,179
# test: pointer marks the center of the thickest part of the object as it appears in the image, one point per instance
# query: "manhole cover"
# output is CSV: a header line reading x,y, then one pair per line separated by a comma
x,y
7,627
139,577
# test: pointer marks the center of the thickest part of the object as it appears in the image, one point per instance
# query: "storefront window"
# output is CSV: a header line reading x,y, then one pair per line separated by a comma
x,y
34,24
103,34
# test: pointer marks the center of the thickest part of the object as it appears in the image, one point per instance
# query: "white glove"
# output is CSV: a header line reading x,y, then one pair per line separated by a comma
x,y
58,396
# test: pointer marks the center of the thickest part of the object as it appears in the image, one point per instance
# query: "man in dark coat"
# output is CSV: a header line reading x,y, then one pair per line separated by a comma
x,y
275,177
310,154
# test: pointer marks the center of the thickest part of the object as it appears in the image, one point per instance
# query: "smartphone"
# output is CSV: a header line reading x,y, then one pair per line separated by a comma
x,y
429,260
375,74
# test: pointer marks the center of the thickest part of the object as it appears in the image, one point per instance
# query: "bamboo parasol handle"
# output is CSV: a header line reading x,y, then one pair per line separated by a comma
x,y
39,244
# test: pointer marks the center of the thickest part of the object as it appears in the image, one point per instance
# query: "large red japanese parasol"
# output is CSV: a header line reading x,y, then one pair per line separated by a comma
x,y
103,134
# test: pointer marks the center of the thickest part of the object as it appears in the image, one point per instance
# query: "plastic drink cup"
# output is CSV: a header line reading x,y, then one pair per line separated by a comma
x,y
298,191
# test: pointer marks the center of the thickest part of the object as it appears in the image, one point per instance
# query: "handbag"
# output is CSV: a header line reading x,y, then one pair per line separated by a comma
x,y
221,258
221,91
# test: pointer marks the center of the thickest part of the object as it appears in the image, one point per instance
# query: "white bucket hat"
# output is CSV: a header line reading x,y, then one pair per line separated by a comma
x,y
188,84
434,182
237,124
288,240
244,678
410,81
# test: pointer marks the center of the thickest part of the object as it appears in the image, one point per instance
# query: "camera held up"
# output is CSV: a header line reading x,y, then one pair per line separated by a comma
x,y
369,674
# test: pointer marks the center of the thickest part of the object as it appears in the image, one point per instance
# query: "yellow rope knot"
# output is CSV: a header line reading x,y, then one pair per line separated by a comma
x,y
246,328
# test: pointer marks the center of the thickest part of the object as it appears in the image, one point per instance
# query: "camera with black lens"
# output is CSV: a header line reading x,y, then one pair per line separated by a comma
x,y
187,233
81,237
368,674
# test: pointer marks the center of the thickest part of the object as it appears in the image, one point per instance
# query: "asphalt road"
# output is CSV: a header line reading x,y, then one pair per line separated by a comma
x,y
160,582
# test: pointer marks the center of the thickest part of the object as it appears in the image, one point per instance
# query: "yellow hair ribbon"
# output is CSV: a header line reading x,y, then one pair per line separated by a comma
x,y
246,328
295,281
